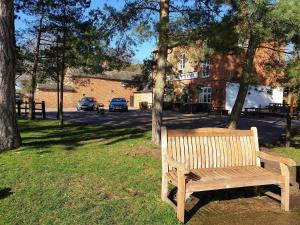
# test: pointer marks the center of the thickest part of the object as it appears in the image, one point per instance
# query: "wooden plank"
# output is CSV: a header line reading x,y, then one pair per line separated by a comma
x,y
186,150
256,145
243,151
202,150
170,150
207,153
199,152
253,151
251,160
285,188
214,151
211,153
232,183
224,153
232,155
182,150
231,146
239,151
212,132
195,153
219,152
181,197
164,149
178,151
227,150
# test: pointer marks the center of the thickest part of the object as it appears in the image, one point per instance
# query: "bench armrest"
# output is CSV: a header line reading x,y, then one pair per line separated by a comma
x,y
182,167
280,159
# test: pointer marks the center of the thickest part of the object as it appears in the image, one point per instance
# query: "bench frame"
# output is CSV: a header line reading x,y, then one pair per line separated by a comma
x,y
183,169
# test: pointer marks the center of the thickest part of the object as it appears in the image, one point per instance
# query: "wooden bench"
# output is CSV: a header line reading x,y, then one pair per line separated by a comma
x,y
217,158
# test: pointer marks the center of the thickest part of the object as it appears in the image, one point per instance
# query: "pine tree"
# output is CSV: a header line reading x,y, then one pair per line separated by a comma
x,y
9,134
173,23
254,24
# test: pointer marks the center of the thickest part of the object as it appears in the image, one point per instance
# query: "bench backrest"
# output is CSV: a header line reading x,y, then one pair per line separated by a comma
x,y
211,147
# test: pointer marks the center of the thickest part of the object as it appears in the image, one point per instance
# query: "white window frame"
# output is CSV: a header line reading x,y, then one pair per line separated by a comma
x,y
206,68
181,61
205,95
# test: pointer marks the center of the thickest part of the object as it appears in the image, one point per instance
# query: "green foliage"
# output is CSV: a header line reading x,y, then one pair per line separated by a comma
x,y
267,24
144,79
292,78
81,175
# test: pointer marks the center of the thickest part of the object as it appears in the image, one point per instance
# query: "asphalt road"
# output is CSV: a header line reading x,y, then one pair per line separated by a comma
x,y
270,129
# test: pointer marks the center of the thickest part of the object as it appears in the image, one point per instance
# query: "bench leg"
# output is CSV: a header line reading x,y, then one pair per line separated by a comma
x,y
285,197
181,197
164,188
285,188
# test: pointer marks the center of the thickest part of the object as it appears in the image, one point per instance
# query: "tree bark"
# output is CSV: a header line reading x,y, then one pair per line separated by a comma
x,y
34,70
9,133
63,68
58,74
160,79
244,85
290,112
61,103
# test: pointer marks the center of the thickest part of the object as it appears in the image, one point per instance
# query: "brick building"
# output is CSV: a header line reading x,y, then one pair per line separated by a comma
x,y
196,78
103,87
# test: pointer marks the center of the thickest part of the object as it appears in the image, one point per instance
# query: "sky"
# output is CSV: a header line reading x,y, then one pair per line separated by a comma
x,y
142,51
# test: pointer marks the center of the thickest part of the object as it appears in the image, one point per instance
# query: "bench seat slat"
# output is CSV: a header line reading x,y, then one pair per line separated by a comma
x,y
220,178
208,133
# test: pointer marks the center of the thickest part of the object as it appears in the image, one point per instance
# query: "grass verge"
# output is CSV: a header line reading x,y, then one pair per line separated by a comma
x,y
83,174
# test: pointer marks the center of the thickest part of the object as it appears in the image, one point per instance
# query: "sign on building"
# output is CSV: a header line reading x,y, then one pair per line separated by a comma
x,y
183,76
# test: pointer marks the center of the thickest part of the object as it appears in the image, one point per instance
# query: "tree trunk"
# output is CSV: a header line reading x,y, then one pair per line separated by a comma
x,y
160,79
244,85
63,68
34,70
57,96
9,133
238,106
61,103
290,112
57,73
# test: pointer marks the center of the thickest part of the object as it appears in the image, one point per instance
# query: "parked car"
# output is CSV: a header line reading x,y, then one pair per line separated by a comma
x,y
118,104
87,103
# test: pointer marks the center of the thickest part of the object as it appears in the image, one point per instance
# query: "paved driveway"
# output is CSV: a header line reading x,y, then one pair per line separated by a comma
x,y
270,129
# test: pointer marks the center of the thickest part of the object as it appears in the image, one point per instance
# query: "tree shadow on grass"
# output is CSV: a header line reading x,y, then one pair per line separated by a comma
x,y
4,193
73,136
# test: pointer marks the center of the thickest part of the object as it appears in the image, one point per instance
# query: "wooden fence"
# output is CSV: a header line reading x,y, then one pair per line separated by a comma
x,y
24,107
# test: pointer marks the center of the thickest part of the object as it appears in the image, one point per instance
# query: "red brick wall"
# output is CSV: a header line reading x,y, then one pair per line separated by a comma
x,y
227,68
102,90
50,98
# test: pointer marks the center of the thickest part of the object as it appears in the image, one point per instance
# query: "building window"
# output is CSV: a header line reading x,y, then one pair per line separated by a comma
x,y
205,95
181,61
205,68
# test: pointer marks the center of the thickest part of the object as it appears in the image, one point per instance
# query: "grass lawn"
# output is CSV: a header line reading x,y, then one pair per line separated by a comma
x,y
84,174
292,152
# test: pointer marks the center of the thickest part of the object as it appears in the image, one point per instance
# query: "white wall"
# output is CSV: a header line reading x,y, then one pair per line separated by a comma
x,y
258,96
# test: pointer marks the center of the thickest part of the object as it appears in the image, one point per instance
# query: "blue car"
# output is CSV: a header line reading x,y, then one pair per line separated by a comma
x,y
118,104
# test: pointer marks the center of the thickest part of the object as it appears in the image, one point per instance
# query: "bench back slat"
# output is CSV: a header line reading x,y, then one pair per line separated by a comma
x,y
212,147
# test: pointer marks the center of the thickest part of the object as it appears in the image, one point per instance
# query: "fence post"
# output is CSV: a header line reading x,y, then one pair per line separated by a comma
x,y
33,110
19,108
25,109
43,110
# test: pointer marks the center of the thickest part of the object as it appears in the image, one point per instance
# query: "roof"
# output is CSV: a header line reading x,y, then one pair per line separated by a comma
x,y
53,87
120,75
